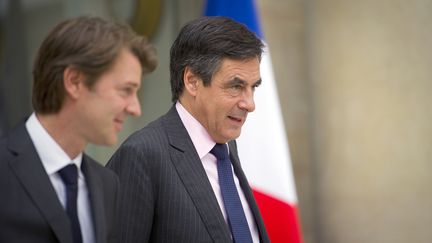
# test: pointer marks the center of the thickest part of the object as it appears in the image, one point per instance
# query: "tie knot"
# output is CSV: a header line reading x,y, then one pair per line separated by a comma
x,y
69,174
220,151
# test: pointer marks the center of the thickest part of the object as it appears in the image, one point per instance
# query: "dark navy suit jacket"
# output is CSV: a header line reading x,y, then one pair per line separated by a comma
x,y
30,210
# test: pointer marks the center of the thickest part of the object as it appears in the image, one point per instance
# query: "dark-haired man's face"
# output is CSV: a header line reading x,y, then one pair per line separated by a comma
x,y
222,107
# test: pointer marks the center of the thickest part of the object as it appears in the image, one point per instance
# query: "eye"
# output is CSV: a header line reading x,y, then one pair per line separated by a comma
x,y
237,87
127,91
255,86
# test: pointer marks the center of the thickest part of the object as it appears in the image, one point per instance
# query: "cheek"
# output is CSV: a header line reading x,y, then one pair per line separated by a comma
x,y
221,117
114,104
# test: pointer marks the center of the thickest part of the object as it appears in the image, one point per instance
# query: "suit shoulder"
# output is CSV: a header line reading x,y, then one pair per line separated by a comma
x,y
16,141
100,169
3,140
149,136
144,148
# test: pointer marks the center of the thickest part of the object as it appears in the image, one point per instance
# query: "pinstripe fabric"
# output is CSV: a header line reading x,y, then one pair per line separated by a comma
x,y
166,195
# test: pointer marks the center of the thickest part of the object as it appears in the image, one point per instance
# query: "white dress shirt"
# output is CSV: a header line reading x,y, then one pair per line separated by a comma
x,y
53,159
203,143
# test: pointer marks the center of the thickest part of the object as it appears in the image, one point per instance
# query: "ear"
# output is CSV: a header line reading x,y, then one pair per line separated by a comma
x,y
191,82
73,81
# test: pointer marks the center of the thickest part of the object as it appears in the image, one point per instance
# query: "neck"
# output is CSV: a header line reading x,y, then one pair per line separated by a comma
x,y
187,103
61,129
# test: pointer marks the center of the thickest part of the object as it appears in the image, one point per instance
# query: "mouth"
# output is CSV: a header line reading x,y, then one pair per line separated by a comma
x,y
238,120
118,124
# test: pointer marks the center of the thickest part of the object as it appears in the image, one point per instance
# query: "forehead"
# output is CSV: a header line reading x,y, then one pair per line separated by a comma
x,y
126,68
248,69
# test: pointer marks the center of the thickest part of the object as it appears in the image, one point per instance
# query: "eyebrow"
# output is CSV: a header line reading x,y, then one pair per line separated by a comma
x,y
132,84
243,82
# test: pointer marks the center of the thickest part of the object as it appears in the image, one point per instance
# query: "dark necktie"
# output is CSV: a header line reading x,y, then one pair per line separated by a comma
x,y
69,175
233,207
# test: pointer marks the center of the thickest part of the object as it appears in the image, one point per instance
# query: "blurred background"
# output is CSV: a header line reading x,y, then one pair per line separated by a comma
x,y
355,85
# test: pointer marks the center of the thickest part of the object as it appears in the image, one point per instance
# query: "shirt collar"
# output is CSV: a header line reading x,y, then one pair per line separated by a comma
x,y
201,139
53,157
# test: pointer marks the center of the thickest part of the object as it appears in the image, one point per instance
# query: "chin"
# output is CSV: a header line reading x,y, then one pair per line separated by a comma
x,y
234,135
229,138
109,141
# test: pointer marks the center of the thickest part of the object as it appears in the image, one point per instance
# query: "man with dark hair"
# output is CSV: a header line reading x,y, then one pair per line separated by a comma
x,y
179,184
86,76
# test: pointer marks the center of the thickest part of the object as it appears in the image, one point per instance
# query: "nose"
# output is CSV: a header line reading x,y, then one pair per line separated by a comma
x,y
134,107
247,102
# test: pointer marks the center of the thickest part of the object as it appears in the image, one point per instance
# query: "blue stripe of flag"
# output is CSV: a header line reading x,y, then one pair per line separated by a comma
x,y
243,11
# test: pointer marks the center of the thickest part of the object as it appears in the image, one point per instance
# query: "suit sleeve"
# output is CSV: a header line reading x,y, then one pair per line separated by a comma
x,y
136,194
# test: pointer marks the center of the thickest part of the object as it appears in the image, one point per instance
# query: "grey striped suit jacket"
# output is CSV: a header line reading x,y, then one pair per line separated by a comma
x,y
166,195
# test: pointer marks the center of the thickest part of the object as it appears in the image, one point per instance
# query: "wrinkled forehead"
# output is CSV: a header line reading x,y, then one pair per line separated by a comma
x,y
247,70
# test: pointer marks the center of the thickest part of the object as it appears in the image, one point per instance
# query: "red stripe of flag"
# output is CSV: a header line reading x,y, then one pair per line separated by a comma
x,y
280,218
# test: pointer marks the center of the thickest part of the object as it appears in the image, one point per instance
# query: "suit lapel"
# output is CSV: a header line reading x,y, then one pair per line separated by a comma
x,y
191,171
247,191
94,185
29,170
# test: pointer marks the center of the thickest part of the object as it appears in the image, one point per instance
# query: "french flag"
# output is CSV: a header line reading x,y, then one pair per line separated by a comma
x,y
263,146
